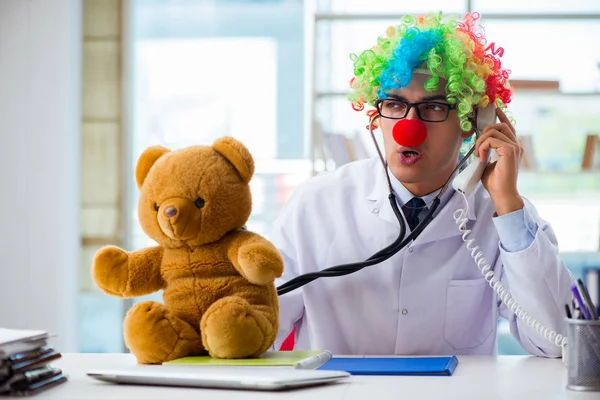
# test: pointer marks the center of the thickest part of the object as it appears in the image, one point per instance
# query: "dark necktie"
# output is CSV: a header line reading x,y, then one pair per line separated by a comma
x,y
412,209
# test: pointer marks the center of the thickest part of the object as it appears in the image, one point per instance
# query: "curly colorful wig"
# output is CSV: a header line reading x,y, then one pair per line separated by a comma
x,y
445,47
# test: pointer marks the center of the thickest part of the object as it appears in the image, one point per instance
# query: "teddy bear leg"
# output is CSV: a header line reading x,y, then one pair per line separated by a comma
x,y
232,328
154,335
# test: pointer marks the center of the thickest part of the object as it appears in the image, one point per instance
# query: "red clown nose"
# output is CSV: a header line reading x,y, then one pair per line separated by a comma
x,y
409,132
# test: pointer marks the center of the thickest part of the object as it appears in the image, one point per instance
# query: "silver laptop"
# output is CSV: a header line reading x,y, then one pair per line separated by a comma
x,y
257,378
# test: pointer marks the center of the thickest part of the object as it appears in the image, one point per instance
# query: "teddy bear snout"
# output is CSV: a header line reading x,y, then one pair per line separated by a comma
x,y
171,212
179,218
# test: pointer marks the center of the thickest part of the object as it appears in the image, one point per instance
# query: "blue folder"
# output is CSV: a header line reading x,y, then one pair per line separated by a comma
x,y
393,365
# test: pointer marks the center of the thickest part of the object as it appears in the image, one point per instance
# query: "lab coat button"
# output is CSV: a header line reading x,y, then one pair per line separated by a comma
x,y
404,312
376,211
410,249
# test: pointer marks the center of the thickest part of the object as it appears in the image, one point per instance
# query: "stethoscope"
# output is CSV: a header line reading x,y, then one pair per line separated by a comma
x,y
406,132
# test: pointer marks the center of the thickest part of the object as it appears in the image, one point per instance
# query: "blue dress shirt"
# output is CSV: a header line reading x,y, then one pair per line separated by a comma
x,y
516,230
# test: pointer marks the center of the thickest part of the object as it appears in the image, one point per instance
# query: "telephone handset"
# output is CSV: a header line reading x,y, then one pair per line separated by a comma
x,y
467,180
465,183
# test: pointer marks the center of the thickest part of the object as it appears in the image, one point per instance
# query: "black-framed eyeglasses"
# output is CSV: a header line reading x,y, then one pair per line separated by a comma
x,y
428,111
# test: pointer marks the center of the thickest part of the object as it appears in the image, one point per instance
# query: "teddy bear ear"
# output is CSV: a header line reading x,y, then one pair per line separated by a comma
x,y
146,161
237,154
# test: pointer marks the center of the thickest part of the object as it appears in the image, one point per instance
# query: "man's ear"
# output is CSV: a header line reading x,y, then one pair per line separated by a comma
x,y
237,154
146,161
467,134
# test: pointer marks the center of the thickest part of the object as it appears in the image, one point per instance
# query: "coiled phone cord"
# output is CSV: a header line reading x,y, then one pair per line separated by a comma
x,y
498,287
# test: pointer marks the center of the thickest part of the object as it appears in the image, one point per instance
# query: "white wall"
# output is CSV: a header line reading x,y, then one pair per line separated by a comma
x,y
40,46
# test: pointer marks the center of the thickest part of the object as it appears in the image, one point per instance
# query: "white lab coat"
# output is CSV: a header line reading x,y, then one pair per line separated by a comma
x,y
429,298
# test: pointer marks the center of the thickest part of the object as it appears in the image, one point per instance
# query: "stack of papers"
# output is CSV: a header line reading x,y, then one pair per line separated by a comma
x,y
25,358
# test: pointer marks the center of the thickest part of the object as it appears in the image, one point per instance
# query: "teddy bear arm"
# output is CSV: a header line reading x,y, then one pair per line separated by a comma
x,y
144,272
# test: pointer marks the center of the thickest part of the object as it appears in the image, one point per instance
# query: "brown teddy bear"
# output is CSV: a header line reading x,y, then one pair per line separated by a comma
x,y
218,278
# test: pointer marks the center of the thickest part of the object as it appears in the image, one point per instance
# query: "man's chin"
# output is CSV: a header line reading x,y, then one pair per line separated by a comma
x,y
407,174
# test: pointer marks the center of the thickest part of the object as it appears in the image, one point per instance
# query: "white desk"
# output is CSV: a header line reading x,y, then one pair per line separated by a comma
x,y
504,377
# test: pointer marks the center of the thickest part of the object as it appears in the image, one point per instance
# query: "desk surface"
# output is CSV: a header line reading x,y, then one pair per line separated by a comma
x,y
502,377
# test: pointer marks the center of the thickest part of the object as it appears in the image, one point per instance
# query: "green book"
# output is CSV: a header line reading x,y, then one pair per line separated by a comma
x,y
299,359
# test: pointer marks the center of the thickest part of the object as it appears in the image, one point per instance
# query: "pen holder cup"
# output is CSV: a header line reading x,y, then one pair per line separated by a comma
x,y
583,363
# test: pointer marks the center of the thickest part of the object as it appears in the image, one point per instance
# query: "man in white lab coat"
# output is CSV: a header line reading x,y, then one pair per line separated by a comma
x,y
430,297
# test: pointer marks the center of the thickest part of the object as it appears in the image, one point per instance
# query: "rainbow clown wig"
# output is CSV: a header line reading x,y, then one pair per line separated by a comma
x,y
446,48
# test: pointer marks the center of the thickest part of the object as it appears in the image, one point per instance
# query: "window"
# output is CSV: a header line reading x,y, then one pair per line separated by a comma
x,y
550,50
192,91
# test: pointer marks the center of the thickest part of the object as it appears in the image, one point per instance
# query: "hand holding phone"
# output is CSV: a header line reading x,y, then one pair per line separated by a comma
x,y
499,144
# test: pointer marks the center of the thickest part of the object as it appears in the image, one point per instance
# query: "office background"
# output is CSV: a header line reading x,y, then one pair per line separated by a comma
x,y
86,85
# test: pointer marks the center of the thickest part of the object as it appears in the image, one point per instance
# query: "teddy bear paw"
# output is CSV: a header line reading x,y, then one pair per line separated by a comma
x,y
111,270
232,328
154,335
261,264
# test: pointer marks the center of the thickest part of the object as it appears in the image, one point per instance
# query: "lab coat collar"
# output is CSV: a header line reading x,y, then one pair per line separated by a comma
x,y
442,225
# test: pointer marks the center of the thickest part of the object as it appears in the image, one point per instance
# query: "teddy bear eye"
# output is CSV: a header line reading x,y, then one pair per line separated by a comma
x,y
156,206
199,202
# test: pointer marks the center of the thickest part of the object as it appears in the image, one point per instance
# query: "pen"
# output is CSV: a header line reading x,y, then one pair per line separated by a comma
x,y
580,303
586,296
576,312
568,311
